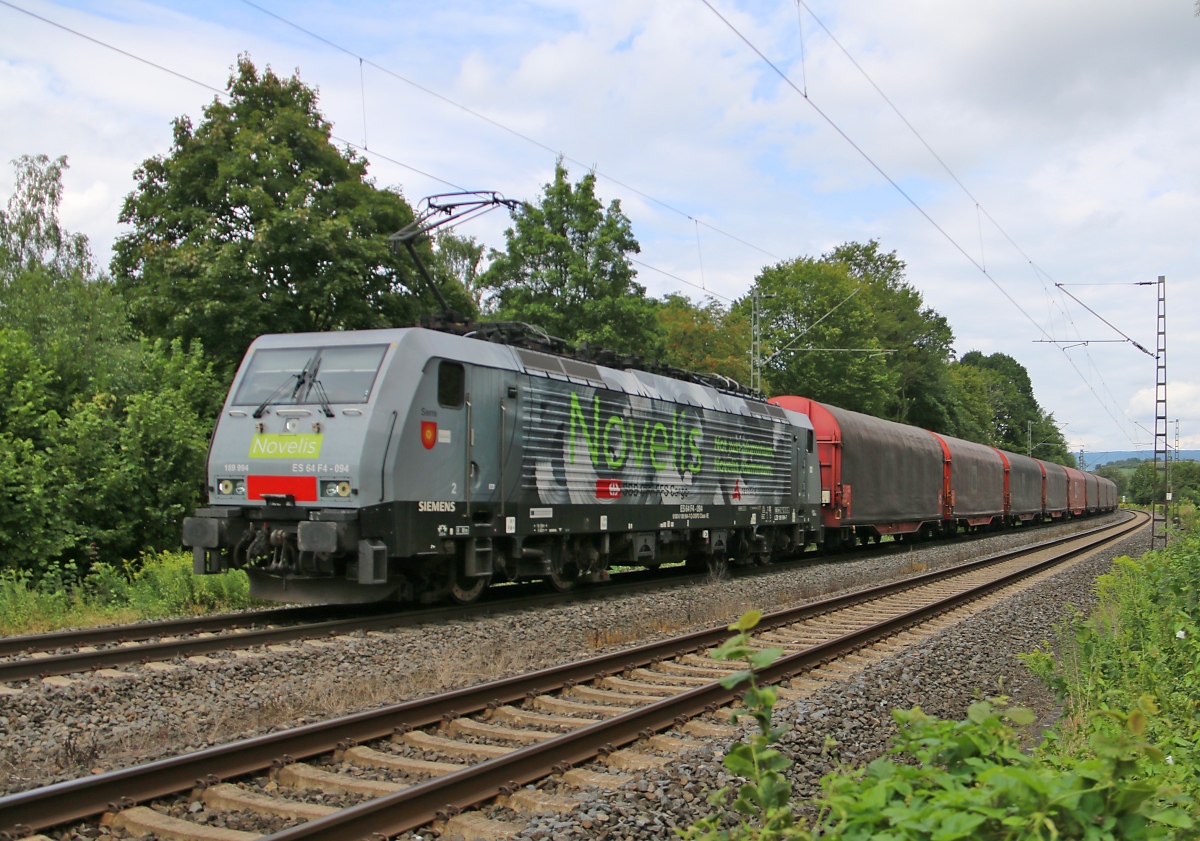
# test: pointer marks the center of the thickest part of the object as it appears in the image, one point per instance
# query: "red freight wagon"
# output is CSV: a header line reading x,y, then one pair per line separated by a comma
x,y
976,481
1076,491
1026,496
874,472
1057,488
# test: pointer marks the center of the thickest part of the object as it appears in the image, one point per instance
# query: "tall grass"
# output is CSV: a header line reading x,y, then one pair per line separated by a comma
x,y
154,587
1138,648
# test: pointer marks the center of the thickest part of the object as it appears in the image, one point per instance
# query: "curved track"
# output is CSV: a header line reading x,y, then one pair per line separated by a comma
x,y
491,739
75,651
60,653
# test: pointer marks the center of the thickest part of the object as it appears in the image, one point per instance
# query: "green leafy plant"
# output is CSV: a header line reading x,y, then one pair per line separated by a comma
x,y
763,801
154,587
944,780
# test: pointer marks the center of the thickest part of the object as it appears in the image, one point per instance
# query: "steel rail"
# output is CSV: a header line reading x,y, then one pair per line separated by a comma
x,y
148,630
82,661
74,799
494,601
425,802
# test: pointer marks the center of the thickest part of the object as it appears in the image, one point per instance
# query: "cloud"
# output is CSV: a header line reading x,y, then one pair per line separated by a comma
x,y
1183,401
1069,123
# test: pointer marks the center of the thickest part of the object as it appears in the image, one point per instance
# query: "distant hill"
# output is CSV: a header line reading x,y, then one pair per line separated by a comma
x,y
1097,459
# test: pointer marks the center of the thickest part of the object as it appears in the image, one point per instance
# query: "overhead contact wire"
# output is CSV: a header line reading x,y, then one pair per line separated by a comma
x,y
1039,273
829,121
223,94
509,130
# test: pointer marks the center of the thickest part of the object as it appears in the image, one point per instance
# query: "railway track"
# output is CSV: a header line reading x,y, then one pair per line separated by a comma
x,y
422,761
107,649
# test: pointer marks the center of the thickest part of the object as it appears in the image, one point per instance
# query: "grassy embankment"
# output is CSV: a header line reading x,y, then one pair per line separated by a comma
x,y
1122,763
157,587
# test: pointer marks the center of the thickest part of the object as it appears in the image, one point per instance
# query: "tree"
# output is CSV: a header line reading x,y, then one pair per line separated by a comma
x,y
816,327
566,269
707,338
256,223
922,392
1116,475
1144,485
459,261
1018,421
103,436
49,289
972,407
30,233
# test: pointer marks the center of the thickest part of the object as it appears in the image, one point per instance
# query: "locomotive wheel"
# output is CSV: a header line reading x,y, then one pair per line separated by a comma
x,y
468,590
564,580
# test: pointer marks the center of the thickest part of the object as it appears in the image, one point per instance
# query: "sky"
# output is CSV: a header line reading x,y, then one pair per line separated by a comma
x,y
999,147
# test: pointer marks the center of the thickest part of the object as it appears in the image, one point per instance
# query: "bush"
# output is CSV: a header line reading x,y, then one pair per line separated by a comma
x,y
971,779
156,587
946,780
1142,640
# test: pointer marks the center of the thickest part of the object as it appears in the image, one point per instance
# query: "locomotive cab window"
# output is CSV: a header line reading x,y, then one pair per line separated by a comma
x,y
290,376
452,384
810,440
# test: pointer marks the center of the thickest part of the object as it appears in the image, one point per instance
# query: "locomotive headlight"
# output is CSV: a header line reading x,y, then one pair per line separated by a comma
x,y
335,488
231,487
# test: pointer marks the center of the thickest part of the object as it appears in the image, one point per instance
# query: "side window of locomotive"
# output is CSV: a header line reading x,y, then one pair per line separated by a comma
x,y
452,384
810,440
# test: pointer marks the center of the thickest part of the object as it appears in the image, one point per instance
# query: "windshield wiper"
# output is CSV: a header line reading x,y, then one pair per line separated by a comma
x,y
300,379
315,385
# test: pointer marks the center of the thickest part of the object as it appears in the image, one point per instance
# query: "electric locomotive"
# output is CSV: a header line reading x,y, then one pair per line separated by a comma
x,y
416,464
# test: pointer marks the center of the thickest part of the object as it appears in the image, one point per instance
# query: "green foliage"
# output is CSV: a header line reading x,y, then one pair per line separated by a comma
x,y
1143,486
975,415
458,261
1117,475
1142,639
945,780
566,269
705,337
156,587
763,801
822,317
30,234
816,312
102,436
256,223
922,391
1018,422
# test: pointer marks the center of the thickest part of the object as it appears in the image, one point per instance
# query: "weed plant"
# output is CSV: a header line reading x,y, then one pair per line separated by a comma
x,y
154,587
1142,640
947,780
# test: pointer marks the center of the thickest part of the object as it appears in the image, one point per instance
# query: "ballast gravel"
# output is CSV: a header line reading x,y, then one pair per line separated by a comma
x,y
51,733
849,723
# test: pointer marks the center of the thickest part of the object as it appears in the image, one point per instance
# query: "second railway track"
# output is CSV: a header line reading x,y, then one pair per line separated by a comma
x,y
108,648
431,757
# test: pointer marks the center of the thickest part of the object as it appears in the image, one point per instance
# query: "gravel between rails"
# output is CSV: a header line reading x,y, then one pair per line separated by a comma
x,y
51,733
943,675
